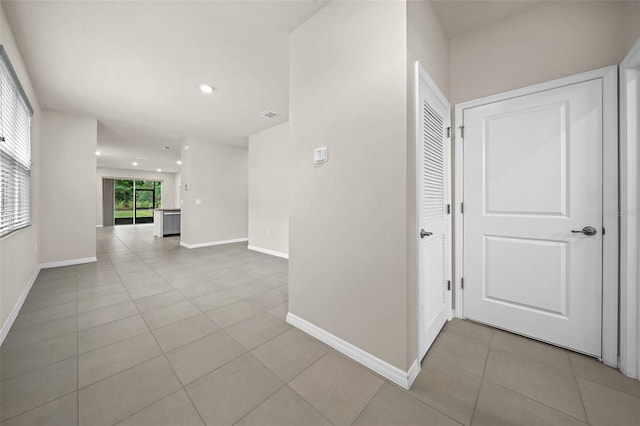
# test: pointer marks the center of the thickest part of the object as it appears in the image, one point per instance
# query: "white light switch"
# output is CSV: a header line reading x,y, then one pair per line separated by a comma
x,y
320,155
198,201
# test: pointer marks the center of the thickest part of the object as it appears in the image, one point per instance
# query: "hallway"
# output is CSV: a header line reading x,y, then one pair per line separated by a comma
x,y
156,334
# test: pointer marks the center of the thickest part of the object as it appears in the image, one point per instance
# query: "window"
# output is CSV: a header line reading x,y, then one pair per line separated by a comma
x,y
15,150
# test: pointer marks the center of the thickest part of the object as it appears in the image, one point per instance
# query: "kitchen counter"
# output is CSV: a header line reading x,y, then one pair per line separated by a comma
x,y
166,222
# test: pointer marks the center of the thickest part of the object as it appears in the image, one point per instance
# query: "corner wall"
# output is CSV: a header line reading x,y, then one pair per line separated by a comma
x,y
269,176
68,191
348,224
216,174
19,253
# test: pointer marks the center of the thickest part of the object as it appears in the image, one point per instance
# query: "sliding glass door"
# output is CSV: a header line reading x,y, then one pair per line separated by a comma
x,y
123,202
135,200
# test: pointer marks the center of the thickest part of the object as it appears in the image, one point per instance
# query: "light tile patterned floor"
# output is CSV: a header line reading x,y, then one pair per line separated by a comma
x,y
154,334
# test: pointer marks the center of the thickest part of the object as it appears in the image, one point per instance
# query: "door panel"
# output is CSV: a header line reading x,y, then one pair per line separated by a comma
x,y
433,188
532,174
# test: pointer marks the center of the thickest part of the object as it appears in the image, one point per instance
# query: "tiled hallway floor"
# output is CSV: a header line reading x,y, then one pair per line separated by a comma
x,y
154,334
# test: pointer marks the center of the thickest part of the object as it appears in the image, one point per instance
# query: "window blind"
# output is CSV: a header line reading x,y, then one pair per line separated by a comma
x,y
15,151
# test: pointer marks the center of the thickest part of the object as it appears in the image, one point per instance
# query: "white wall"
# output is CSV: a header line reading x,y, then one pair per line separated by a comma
x,y
348,224
269,175
168,190
546,42
19,254
68,187
217,176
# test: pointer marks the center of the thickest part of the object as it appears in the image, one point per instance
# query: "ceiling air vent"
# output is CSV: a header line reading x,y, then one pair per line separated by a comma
x,y
268,114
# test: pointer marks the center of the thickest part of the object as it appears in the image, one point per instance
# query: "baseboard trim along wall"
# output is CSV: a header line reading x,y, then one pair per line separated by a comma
x,y
16,308
394,374
68,262
213,243
99,226
267,251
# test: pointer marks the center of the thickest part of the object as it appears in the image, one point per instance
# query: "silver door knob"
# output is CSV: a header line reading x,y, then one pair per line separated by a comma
x,y
587,230
424,233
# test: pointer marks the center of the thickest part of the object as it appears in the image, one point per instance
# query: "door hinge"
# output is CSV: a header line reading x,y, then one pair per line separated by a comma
x,y
448,132
461,131
448,208
603,232
462,283
461,207
449,285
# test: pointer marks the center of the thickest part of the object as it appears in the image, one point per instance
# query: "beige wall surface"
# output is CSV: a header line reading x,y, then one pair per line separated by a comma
x,y
168,191
630,28
68,191
216,174
19,253
269,176
543,43
348,84
426,43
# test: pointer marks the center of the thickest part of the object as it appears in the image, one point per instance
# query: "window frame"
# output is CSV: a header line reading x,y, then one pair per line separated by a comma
x,y
4,57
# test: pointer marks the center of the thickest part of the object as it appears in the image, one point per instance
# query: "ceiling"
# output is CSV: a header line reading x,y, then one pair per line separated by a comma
x,y
137,67
461,16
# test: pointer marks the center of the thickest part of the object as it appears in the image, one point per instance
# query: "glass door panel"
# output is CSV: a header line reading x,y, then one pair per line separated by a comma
x,y
145,203
123,202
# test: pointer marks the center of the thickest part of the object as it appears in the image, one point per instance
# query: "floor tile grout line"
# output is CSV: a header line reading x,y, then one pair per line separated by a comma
x,y
411,393
368,402
38,406
263,310
170,366
575,379
77,357
534,400
540,402
172,369
484,368
306,369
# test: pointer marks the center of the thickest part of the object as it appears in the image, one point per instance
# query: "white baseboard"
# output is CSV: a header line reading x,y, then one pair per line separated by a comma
x,y
271,252
16,308
413,373
213,243
394,374
68,262
99,226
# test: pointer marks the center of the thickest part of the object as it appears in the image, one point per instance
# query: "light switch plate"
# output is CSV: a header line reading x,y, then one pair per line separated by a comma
x,y
320,155
198,201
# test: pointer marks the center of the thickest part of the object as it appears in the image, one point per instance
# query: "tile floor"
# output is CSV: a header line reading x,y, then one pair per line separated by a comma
x,y
154,334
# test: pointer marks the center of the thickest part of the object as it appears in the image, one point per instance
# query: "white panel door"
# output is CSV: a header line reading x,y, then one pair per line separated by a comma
x,y
532,184
434,303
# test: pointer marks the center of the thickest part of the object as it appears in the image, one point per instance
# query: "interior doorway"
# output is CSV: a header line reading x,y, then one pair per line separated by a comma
x,y
537,177
135,200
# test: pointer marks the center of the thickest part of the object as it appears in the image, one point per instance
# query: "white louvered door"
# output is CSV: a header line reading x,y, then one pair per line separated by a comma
x,y
434,239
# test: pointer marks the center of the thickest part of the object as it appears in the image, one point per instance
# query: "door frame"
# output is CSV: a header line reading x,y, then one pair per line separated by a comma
x,y
609,76
422,76
629,225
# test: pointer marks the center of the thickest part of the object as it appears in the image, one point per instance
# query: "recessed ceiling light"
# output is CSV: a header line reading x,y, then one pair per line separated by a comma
x,y
98,153
205,88
178,162
268,114
134,164
159,170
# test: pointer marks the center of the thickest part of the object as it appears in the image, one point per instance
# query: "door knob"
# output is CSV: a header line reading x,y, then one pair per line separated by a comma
x,y
424,233
587,230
